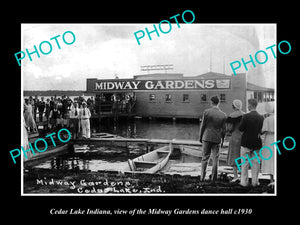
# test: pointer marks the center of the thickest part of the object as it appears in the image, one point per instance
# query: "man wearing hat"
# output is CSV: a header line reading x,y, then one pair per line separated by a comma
x,y
212,130
84,115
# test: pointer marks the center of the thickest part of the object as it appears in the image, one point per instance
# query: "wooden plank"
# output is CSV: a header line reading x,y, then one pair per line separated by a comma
x,y
153,141
188,150
163,152
118,139
145,162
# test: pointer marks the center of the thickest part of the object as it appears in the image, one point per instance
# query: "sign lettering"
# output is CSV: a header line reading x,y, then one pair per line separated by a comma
x,y
187,84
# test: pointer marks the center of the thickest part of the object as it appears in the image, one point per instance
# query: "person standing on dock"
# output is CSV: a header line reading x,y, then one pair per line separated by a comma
x,y
115,106
251,125
35,106
232,128
47,111
268,134
84,116
54,115
41,108
212,130
74,121
28,117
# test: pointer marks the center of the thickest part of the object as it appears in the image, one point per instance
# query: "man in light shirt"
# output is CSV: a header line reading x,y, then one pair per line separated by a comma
x,y
74,120
85,115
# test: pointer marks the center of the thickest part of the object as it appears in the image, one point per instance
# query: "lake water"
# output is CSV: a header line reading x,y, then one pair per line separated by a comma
x,y
156,129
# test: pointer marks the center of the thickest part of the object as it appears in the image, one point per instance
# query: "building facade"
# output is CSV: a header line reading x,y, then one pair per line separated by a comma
x,y
172,95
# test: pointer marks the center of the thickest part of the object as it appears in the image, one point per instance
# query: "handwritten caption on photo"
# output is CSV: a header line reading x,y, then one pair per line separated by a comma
x,y
101,186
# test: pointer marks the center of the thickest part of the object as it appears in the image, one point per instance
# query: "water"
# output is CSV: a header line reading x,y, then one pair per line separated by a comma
x,y
183,165
154,129
83,163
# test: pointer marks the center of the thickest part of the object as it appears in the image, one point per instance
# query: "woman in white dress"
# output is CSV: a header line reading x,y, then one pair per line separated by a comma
x,y
268,133
28,116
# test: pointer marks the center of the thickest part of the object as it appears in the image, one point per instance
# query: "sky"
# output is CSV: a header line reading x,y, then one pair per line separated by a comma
x,y
104,51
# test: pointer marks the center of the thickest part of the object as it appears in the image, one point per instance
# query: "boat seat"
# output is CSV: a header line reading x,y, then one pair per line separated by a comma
x,y
163,151
144,164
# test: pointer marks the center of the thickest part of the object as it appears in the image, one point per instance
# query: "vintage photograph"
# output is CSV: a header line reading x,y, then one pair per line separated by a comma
x,y
148,109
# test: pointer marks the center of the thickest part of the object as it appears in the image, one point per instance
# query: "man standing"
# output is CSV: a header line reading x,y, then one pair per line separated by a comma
x,y
36,105
85,115
74,114
251,125
41,108
52,103
212,130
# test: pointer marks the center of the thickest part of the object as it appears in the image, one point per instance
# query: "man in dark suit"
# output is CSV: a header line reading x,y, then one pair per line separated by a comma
x,y
251,125
212,130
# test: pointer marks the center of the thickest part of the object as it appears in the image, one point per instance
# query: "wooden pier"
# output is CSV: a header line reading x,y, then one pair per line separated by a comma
x,y
124,142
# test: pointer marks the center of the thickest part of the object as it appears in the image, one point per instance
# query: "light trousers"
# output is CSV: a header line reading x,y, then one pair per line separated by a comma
x,y
254,168
86,131
208,148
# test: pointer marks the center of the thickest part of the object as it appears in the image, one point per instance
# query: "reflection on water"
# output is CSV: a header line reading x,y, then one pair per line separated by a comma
x,y
156,129
183,164
68,162
162,129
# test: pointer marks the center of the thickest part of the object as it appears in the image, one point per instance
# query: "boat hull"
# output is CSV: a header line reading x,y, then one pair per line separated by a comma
x,y
151,162
197,152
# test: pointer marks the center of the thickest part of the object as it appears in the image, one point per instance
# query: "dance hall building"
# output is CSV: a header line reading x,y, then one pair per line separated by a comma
x,y
172,94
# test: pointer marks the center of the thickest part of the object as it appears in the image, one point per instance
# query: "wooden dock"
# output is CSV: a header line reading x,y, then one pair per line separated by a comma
x,y
124,142
105,137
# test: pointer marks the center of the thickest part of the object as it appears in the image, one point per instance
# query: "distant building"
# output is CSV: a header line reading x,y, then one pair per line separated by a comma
x,y
173,95
261,94
58,93
166,94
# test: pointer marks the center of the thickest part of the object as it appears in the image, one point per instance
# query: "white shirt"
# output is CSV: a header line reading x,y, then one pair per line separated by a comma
x,y
87,113
72,112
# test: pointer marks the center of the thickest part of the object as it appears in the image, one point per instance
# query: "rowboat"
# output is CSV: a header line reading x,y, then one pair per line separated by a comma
x,y
190,150
151,162
197,152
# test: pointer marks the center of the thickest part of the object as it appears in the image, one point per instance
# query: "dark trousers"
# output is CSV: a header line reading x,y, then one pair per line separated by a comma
x,y
207,149
74,127
40,117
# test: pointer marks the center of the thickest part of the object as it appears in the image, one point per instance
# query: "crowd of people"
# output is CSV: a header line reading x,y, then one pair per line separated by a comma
x,y
57,112
247,133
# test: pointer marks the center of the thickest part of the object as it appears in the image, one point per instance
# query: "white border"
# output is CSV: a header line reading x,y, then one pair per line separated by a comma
x,y
154,194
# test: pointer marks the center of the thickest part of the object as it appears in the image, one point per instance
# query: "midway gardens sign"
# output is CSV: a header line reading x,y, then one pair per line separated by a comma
x,y
95,85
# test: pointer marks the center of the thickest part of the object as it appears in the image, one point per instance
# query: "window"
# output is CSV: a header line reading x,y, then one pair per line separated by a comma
x,y
186,98
152,98
222,98
168,98
203,98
